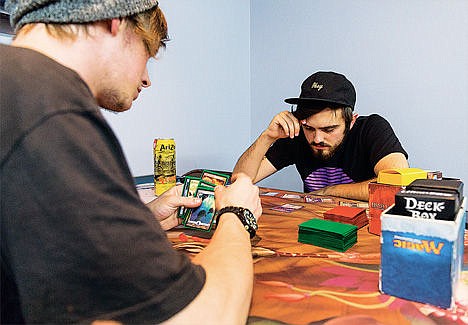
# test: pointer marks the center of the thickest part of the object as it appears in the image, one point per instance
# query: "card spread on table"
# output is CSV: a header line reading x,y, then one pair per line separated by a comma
x,y
328,234
268,193
287,207
364,205
291,196
312,199
346,214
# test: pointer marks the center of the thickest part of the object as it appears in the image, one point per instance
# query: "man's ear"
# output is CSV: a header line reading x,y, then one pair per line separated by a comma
x,y
114,25
355,116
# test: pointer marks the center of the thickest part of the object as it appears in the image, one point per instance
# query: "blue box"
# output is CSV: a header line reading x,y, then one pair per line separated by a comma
x,y
421,259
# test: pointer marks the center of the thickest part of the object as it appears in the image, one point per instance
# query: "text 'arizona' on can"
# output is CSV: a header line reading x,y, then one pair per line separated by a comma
x,y
164,165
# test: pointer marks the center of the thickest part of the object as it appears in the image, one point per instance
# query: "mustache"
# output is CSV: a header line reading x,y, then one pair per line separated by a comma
x,y
320,144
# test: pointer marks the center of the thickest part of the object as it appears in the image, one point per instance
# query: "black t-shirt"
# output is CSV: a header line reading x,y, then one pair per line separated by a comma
x,y
77,243
369,140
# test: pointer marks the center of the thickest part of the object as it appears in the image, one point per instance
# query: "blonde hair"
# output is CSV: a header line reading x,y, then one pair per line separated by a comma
x,y
150,25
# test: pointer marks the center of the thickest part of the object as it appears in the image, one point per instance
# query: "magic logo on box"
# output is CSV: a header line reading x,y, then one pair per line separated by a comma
x,y
419,245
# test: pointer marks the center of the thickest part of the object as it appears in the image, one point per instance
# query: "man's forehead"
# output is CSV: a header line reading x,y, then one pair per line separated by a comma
x,y
324,118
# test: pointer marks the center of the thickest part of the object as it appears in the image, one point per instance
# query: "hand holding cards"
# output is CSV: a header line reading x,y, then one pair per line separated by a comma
x,y
202,217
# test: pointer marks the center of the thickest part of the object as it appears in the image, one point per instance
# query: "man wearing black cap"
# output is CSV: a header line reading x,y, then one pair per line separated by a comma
x,y
336,152
77,243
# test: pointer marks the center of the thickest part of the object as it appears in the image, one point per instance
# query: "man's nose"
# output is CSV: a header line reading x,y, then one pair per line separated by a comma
x,y
318,136
146,82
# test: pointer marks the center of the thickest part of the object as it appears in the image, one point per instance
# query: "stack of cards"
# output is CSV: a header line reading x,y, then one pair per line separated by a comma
x,y
328,234
345,214
202,217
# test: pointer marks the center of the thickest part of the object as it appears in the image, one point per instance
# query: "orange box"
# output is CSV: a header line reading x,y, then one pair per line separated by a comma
x,y
400,176
381,196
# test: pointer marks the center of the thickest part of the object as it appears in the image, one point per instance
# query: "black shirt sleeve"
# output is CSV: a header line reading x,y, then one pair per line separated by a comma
x,y
380,139
281,153
79,241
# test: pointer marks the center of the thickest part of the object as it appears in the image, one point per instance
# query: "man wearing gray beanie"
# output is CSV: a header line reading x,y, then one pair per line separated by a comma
x,y
77,243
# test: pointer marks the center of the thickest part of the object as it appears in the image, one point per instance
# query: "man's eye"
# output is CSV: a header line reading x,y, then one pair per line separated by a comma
x,y
328,130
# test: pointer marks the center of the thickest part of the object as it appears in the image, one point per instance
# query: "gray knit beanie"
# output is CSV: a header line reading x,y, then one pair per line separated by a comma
x,y
72,11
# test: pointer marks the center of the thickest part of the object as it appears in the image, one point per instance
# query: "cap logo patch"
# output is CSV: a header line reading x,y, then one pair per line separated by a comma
x,y
316,86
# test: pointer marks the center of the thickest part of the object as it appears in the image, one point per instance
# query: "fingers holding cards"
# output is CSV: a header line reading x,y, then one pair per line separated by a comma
x,y
203,217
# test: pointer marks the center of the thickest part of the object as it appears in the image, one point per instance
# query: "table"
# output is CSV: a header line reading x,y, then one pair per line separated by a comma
x,y
296,283
305,284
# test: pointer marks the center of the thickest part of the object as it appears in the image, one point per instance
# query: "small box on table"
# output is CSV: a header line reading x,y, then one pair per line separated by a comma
x,y
400,176
381,196
382,193
421,259
430,199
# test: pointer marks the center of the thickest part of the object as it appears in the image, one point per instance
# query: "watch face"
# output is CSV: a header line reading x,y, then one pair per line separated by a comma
x,y
250,219
245,216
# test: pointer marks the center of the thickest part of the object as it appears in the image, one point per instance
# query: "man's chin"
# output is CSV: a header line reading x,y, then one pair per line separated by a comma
x,y
117,108
323,155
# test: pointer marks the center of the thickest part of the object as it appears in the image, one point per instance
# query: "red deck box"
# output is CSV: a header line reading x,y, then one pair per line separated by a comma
x,y
381,196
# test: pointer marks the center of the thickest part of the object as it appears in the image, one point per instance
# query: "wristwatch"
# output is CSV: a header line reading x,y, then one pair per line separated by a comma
x,y
245,216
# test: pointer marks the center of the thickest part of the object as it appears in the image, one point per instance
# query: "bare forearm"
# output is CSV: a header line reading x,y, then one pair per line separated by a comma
x,y
251,159
230,248
227,292
355,191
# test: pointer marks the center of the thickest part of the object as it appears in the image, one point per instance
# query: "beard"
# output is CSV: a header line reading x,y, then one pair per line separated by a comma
x,y
323,154
112,100
329,151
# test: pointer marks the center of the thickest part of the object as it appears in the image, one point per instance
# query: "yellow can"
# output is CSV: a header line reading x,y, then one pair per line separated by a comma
x,y
164,165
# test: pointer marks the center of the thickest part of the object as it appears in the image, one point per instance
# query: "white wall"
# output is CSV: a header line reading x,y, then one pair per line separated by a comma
x,y
200,93
407,59
231,64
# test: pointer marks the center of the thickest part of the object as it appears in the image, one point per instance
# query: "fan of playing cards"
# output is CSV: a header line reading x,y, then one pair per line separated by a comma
x,y
202,217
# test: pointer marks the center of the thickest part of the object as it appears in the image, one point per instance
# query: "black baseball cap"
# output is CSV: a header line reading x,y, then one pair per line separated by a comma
x,y
320,90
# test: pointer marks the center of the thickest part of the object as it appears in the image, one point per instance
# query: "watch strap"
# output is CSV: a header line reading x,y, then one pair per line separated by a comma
x,y
245,216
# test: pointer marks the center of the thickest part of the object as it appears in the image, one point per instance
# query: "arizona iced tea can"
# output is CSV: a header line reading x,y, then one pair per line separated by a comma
x,y
164,165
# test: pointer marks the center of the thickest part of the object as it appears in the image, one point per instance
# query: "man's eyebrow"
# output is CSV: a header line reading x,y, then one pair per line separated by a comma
x,y
333,126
